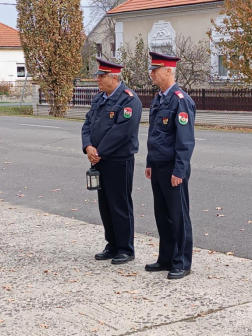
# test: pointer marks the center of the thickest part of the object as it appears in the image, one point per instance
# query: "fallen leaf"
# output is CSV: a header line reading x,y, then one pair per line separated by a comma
x,y
205,210
249,222
6,162
77,270
72,281
7,288
44,326
1,199
101,322
22,195
94,330
1,321
116,292
242,229
220,215
196,250
132,292
147,233
74,209
11,300
82,313
206,234
143,204
230,253
133,274
141,215
47,271
218,208
55,190
211,252
245,279
40,196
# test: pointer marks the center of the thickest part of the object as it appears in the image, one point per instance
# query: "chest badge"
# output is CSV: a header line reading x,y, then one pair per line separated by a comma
x,y
111,115
127,113
165,121
183,118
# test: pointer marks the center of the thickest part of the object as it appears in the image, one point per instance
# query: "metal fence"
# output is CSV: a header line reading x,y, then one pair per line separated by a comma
x,y
205,99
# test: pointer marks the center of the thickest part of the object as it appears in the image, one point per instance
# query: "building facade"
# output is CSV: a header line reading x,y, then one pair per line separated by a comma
x,y
12,60
160,21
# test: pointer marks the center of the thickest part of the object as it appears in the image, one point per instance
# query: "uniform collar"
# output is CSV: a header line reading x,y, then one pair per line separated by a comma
x,y
166,91
170,92
116,93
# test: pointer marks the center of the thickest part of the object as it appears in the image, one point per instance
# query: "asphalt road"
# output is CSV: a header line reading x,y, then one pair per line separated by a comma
x,y
42,166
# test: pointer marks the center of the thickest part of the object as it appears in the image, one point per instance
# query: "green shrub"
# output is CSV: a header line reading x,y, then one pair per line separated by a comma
x,y
5,88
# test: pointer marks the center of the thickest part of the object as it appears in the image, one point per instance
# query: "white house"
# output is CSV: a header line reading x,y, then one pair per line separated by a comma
x,y
160,21
12,61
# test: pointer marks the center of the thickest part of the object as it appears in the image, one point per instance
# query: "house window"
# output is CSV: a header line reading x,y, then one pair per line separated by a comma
x,y
112,49
222,70
20,70
99,49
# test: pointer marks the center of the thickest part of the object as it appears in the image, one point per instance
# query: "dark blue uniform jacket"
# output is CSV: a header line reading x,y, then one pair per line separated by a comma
x,y
110,127
170,137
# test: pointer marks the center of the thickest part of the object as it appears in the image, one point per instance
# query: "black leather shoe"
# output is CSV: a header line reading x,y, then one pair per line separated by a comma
x,y
105,255
122,259
156,267
176,273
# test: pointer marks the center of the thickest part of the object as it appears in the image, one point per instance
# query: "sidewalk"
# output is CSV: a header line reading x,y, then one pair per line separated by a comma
x,y
51,285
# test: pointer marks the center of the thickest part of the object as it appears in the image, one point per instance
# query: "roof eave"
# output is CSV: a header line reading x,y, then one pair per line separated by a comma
x,y
11,47
211,4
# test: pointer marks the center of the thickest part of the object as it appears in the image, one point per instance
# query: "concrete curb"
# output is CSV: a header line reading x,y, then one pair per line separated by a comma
x,y
51,285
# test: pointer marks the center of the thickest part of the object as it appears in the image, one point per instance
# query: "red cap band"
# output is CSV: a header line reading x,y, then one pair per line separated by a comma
x,y
165,63
109,69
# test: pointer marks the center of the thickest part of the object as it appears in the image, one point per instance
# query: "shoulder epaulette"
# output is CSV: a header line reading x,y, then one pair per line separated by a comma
x,y
129,93
179,94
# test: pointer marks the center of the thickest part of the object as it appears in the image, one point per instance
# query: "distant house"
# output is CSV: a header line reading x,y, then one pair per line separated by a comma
x,y
160,21
102,40
12,60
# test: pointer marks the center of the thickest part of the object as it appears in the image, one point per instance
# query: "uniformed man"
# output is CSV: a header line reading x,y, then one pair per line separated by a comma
x,y
110,140
170,146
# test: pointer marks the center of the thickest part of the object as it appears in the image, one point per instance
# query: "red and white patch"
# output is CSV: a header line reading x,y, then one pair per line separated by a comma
x,y
179,94
129,93
183,118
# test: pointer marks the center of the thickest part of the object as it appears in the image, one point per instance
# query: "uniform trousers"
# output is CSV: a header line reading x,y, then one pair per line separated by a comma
x,y
171,207
115,204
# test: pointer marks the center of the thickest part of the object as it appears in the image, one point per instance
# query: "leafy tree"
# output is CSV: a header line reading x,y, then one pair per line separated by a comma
x,y
52,35
136,63
88,58
99,10
194,66
236,44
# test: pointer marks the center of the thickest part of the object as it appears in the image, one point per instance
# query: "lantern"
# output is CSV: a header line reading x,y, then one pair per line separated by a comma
x,y
93,179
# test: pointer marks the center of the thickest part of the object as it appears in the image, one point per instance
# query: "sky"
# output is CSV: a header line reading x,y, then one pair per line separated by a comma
x,y
8,13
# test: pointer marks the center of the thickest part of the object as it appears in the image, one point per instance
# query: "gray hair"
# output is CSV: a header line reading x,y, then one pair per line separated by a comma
x,y
119,76
173,70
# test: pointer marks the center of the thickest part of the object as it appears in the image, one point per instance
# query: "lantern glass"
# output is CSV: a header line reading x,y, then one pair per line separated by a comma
x,y
93,179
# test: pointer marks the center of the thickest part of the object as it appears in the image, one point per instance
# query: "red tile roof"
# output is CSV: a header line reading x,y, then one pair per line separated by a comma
x,y
137,5
9,37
